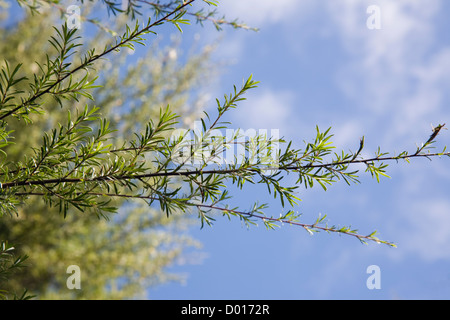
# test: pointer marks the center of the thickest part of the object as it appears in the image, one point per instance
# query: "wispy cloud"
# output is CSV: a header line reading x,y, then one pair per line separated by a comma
x,y
399,76
396,76
259,13
396,80
398,73
424,229
266,109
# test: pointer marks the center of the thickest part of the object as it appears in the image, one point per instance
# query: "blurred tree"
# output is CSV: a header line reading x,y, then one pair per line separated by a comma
x,y
123,256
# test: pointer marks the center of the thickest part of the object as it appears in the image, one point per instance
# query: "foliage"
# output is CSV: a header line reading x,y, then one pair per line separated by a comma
x,y
8,265
38,231
81,162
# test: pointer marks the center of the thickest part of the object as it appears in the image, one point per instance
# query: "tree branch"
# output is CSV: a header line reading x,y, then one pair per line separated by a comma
x,y
207,172
308,227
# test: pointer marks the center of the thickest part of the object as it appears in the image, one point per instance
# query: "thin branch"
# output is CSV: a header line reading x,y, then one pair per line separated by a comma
x,y
207,172
307,227
200,17
365,161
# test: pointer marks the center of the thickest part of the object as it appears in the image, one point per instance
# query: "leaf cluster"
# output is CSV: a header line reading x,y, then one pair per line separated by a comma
x,y
10,264
79,166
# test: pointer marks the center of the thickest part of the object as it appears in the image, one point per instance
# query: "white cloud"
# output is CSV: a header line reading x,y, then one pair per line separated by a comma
x,y
398,79
393,75
425,229
418,218
333,273
258,13
266,109
346,135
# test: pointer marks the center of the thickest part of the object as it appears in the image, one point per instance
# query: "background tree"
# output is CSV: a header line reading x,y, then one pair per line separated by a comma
x,y
124,256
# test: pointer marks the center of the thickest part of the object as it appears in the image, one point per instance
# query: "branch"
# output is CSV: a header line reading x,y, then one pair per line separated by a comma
x,y
366,161
315,227
201,16
208,172
308,227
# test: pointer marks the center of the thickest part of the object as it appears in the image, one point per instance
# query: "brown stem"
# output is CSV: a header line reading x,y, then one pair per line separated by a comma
x,y
307,227
202,172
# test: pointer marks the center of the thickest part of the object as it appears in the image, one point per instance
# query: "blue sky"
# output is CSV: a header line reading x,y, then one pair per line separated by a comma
x,y
319,64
